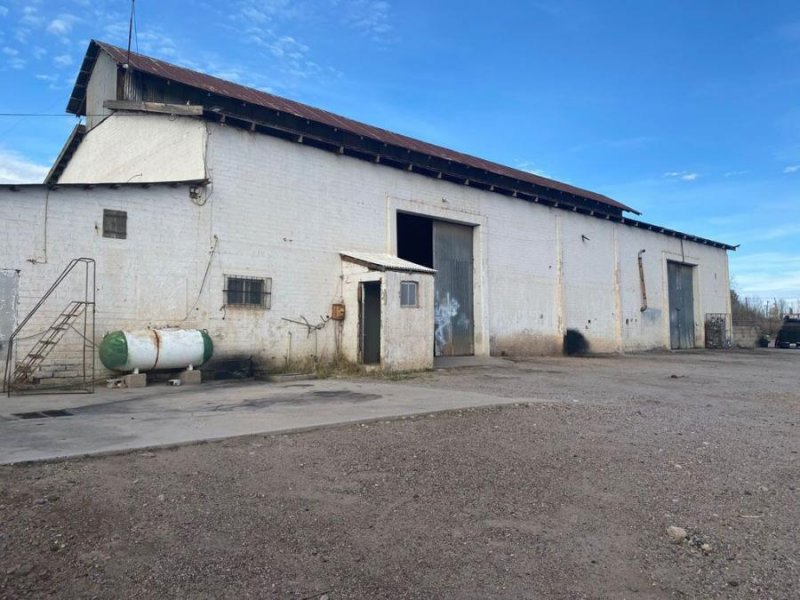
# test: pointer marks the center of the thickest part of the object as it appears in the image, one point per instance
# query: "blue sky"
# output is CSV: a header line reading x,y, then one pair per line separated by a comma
x,y
686,110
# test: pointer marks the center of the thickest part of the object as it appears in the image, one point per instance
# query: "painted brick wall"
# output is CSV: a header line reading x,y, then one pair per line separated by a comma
x,y
149,279
539,271
283,210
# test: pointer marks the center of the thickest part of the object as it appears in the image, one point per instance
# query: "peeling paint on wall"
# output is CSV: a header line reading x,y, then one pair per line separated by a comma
x,y
9,280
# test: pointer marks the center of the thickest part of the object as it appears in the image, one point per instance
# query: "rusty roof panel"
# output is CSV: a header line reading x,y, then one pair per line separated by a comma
x,y
241,93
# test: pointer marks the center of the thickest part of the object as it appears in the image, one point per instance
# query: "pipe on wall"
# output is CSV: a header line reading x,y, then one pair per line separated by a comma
x,y
641,280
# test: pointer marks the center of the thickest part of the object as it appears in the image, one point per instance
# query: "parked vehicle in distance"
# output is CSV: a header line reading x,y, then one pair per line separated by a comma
x,y
789,334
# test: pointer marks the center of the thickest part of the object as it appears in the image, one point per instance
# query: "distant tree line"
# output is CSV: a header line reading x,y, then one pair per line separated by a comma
x,y
767,315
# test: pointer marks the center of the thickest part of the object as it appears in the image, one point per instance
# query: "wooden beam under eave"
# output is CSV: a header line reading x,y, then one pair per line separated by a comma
x,y
189,110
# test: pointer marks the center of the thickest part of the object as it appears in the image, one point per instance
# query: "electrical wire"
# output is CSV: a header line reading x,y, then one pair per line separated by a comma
x,y
205,277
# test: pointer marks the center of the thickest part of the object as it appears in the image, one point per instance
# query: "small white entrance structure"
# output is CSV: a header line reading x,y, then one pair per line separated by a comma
x,y
389,311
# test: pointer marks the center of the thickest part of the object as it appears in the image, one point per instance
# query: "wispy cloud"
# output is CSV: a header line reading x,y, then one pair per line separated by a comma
x,y
31,16
531,167
14,168
792,169
776,233
3,11
767,274
62,25
735,173
682,175
12,59
264,11
63,60
371,17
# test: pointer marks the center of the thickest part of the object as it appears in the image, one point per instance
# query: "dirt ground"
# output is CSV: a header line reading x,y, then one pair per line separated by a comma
x,y
570,497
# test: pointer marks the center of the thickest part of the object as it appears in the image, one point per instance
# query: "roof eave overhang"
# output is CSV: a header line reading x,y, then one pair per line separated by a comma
x,y
559,190
17,187
77,100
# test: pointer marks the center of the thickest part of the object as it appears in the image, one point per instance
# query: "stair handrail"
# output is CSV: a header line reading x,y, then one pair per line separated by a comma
x,y
67,270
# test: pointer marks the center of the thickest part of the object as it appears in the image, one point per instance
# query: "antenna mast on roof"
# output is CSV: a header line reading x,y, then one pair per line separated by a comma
x,y
130,30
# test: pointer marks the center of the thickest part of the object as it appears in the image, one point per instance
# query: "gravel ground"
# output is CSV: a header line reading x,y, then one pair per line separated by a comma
x,y
567,498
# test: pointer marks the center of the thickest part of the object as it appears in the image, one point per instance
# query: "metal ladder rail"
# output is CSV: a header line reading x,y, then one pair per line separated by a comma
x,y
42,348
91,266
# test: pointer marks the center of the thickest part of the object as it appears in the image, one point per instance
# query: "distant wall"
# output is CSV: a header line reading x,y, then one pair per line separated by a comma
x,y
746,336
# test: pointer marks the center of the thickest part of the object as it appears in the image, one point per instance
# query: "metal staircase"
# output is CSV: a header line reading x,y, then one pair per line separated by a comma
x,y
81,312
25,369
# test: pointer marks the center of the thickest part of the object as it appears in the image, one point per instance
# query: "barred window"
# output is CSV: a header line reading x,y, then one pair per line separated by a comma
x,y
248,291
115,224
408,294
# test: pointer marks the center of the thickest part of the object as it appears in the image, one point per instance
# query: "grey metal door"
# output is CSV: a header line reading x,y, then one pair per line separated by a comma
x,y
453,291
9,283
371,322
681,305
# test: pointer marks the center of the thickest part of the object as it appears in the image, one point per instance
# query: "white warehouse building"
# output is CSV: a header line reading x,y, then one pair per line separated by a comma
x,y
290,233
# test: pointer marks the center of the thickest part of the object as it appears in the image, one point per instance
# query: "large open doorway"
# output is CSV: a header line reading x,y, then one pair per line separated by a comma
x,y
446,247
680,283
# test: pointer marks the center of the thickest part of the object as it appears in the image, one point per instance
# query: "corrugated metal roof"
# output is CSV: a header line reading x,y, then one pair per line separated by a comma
x,y
255,97
384,262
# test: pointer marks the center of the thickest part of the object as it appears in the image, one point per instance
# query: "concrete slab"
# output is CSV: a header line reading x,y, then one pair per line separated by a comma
x,y
113,420
461,362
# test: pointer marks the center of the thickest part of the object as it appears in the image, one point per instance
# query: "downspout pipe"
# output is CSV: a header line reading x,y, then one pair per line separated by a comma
x,y
641,280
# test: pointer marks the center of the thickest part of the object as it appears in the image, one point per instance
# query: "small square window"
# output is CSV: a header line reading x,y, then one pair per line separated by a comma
x,y
408,294
248,291
115,224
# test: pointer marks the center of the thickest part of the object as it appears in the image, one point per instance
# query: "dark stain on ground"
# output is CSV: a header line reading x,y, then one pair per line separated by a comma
x,y
137,405
311,399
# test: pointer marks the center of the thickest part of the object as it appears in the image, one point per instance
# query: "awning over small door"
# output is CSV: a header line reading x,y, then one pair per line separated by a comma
x,y
377,261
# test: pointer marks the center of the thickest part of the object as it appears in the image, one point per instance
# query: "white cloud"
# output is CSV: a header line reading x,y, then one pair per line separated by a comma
x,y
55,82
38,52
15,168
3,11
21,34
12,58
530,167
682,175
263,11
792,169
735,173
368,16
63,60
62,25
30,16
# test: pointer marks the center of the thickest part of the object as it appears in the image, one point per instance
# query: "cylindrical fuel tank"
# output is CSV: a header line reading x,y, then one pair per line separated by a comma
x,y
155,349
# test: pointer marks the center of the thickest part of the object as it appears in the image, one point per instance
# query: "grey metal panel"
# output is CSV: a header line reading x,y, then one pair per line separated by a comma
x,y
9,283
681,305
453,294
371,322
